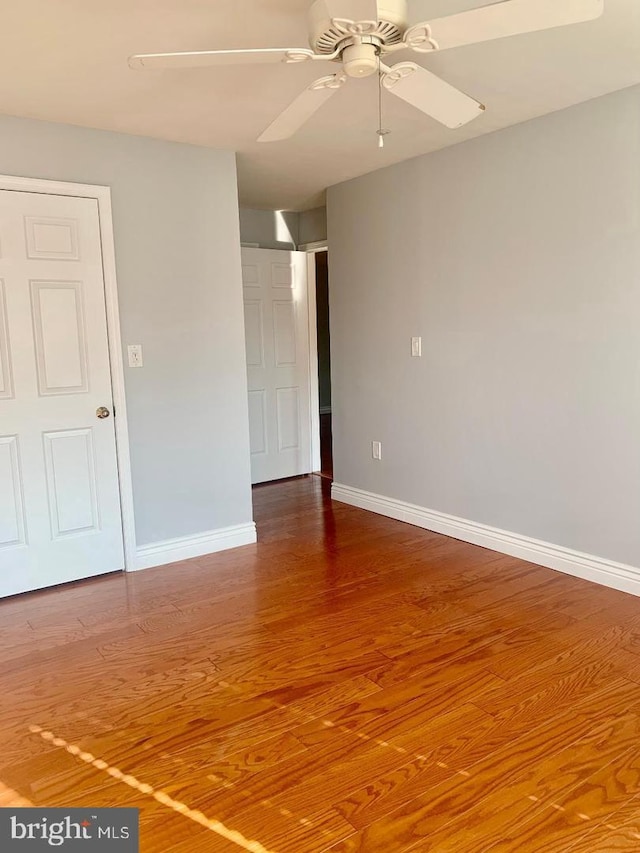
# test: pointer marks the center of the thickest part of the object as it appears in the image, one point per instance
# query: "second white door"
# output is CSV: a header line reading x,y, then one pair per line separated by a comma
x,y
277,344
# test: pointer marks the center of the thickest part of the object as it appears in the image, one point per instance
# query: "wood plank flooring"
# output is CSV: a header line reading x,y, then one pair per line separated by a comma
x,y
349,684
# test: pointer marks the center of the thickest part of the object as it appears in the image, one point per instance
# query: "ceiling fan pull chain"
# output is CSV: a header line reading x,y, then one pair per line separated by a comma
x,y
381,131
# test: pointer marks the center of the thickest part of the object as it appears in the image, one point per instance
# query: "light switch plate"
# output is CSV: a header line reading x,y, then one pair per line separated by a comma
x,y
135,355
416,347
376,449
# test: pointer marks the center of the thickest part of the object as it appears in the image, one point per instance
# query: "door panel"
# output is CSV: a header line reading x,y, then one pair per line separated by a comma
x,y
12,520
59,328
6,374
71,481
254,335
277,345
258,422
288,413
60,517
284,331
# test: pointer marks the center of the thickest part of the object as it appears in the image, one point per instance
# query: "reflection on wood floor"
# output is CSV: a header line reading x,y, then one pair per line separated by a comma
x,y
351,683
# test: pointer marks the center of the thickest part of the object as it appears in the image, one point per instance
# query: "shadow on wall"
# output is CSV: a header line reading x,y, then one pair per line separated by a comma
x,y
282,229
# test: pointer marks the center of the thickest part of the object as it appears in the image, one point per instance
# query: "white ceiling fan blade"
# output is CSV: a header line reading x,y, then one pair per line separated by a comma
x,y
430,94
507,18
203,58
304,106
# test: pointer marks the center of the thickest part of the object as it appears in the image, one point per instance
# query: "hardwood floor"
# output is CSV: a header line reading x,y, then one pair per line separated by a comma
x,y
349,684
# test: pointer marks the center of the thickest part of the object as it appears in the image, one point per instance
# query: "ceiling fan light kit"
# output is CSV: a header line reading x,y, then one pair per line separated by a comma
x,y
360,60
357,34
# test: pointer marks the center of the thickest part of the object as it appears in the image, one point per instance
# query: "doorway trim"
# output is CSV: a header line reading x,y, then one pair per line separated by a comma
x,y
102,195
312,249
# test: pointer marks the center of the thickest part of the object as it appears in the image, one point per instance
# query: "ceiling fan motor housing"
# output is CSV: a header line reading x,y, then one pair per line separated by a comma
x,y
329,31
360,60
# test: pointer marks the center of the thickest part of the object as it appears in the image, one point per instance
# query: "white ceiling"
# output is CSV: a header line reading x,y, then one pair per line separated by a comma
x,y
66,61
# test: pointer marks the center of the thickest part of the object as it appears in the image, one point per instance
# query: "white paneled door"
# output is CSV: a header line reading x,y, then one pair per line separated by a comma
x,y
277,341
60,517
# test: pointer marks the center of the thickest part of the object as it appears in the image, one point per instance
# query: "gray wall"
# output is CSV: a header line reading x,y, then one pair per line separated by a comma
x,y
271,229
313,225
282,229
517,258
175,215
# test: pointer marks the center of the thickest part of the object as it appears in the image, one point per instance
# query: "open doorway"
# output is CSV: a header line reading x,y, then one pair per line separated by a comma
x,y
324,363
288,352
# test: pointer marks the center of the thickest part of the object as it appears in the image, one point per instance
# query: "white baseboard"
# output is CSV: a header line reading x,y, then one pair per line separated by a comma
x,y
586,566
186,547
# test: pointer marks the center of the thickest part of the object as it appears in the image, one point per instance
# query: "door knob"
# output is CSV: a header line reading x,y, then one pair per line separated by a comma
x,y
102,412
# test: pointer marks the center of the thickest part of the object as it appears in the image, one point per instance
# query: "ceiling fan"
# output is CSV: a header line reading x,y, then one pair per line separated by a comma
x,y
357,34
